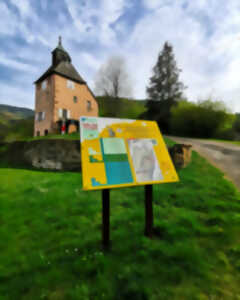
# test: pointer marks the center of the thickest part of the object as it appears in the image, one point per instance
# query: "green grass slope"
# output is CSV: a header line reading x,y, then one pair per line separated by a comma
x,y
50,238
20,130
15,123
13,112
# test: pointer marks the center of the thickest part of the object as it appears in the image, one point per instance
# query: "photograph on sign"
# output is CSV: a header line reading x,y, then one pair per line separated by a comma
x,y
122,152
144,160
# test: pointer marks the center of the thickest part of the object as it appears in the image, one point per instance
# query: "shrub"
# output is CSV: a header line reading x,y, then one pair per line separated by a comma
x,y
204,119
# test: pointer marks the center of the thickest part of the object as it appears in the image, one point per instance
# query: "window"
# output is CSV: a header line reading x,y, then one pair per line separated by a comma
x,y
89,105
44,85
70,84
64,114
75,99
45,132
60,113
40,116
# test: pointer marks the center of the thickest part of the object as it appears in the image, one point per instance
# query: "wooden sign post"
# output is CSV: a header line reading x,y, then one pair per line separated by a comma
x,y
106,218
106,215
148,211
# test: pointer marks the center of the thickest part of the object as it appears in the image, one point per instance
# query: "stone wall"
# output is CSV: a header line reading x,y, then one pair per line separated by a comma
x,y
59,155
64,155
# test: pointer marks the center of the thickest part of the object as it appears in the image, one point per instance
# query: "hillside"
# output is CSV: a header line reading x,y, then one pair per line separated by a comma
x,y
15,122
9,112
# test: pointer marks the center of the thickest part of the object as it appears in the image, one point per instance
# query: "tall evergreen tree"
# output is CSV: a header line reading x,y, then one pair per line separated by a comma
x,y
164,89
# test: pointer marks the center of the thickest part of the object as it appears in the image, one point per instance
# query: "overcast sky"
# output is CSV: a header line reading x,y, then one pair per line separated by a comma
x,y
205,35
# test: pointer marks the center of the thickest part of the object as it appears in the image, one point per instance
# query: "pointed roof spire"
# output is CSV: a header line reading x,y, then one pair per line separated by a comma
x,y
61,64
59,40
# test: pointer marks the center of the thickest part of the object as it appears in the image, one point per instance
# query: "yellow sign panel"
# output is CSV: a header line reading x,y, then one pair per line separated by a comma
x,y
122,152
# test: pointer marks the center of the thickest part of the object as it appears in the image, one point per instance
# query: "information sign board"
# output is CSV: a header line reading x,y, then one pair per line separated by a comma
x,y
122,152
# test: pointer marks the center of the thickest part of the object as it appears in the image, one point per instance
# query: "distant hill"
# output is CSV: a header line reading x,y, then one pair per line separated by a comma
x,y
14,112
15,122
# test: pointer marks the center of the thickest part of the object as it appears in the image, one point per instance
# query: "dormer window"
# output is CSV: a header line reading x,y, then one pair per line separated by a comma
x,y
70,84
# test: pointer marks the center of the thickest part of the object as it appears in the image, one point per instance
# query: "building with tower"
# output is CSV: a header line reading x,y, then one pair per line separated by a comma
x,y
61,96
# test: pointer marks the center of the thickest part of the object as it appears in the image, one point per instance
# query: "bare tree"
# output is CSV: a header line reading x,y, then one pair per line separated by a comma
x,y
112,79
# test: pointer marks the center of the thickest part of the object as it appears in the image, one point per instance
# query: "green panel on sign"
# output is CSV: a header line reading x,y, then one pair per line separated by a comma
x,y
114,146
115,157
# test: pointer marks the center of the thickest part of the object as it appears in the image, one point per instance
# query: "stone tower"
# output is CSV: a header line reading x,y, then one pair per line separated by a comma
x,y
61,96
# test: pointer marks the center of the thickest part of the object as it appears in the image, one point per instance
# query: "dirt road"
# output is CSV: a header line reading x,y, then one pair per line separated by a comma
x,y
225,156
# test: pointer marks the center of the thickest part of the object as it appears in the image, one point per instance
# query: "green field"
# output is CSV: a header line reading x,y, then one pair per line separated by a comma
x,y
71,136
50,238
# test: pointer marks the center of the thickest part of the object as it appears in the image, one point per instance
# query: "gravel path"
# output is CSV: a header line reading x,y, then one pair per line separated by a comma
x,y
225,156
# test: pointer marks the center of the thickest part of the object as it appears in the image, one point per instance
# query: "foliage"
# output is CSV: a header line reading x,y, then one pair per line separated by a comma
x,y
127,108
21,129
203,119
112,79
50,238
15,122
236,124
164,89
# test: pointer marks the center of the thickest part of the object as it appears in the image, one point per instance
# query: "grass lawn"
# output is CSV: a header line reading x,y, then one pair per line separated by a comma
x,y
50,239
71,136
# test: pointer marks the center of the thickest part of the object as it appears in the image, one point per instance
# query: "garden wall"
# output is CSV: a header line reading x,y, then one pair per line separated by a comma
x,y
60,155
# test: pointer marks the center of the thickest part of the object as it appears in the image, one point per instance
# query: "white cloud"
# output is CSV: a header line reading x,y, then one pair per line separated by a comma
x,y
23,7
11,63
154,4
205,37
43,4
8,21
90,61
93,21
17,95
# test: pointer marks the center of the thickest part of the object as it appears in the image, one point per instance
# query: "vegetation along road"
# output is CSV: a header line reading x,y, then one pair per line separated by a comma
x,y
224,155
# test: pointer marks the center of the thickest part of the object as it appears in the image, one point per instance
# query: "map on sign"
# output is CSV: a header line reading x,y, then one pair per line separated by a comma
x,y
122,152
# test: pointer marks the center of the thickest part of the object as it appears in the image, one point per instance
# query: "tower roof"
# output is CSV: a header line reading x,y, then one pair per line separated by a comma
x,y
61,65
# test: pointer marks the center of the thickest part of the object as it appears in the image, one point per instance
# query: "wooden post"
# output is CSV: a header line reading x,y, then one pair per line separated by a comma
x,y
105,218
148,211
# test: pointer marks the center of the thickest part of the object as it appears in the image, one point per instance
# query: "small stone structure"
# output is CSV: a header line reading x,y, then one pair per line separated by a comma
x,y
59,155
180,154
